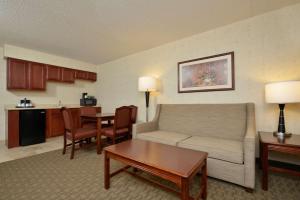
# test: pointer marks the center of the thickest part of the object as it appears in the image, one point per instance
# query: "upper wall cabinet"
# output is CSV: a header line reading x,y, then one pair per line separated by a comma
x,y
25,75
68,75
92,76
37,79
17,74
53,73
84,75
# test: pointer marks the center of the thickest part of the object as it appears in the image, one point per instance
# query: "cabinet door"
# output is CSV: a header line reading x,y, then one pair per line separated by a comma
x,y
92,76
55,123
68,75
83,75
37,79
12,138
17,74
53,73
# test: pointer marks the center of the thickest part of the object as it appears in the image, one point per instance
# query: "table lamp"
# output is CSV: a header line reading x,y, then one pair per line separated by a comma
x,y
147,84
282,93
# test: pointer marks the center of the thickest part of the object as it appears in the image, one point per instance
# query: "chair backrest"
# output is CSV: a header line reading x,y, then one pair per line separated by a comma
x,y
88,110
134,110
68,120
122,117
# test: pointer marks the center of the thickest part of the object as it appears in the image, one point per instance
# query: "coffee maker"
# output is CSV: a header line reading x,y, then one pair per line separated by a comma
x,y
88,100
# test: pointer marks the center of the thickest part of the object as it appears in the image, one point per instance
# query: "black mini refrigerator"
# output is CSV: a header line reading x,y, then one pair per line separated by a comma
x,y
32,126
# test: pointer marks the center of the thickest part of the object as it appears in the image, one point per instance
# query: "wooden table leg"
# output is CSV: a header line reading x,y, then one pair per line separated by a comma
x,y
184,189
203,183
106,171
265,166
99,148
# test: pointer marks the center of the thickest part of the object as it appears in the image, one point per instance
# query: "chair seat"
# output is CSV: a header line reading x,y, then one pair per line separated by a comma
x,y
217,148
82,133
109,131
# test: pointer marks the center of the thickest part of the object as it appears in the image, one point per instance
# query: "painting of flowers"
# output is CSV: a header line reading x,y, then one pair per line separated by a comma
x,y
207,74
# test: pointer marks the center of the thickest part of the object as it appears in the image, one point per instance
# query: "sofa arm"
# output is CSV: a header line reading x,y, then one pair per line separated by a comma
x,y
144,127
249,147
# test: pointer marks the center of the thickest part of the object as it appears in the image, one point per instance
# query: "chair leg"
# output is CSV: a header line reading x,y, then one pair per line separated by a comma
x,y
65,144
73,149
113,140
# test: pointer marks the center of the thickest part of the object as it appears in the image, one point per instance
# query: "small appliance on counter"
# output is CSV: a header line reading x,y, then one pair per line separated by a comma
x,y
25,103
88,100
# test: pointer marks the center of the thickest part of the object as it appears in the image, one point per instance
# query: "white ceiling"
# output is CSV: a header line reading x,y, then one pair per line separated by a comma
x,y
98,31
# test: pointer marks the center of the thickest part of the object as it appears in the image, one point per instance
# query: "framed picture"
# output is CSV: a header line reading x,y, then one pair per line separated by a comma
x,y
213,73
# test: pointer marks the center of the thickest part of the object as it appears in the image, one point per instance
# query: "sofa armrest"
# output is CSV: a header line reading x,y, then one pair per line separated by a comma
x,y
249,147
144,127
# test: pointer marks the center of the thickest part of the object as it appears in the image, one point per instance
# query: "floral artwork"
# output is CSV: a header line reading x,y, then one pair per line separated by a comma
x,y
206,74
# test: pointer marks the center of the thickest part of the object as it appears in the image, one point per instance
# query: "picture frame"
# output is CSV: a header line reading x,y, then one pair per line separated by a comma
x,y
212,73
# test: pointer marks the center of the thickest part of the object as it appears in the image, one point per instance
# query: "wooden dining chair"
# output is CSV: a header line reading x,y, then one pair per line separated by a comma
x,y
134,110
74,134
88,122
122,124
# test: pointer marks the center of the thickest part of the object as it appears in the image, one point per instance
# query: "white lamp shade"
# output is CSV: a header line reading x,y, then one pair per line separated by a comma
x,y
147,83
283,92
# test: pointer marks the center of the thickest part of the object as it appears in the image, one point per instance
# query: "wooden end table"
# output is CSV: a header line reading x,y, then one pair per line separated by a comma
x,y
172,163
268,142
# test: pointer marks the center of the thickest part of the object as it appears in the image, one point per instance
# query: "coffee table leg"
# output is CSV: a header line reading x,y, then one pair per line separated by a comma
x,y
184,189
106,171
204,180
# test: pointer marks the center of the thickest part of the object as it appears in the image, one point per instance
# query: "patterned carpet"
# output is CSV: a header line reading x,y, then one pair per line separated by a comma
x,y
54,176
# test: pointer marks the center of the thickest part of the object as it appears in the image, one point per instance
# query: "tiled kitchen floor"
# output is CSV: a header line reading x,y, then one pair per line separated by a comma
x,y
21,152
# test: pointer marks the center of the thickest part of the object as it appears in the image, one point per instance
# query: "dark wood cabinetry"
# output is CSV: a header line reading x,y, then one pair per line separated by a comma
x,y
79,74
12,134
92,76
17,74
27,75
84,75
53,73
36,76
54,124
67,75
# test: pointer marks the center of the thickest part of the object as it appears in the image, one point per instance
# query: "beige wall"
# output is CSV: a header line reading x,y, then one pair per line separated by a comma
x,y
67,93
267,48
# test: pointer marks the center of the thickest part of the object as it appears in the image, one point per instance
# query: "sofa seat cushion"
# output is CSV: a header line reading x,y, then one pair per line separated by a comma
x,y
222,149
164,137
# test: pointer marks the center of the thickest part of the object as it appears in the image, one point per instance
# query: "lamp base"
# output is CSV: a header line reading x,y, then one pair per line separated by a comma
x,y
280,134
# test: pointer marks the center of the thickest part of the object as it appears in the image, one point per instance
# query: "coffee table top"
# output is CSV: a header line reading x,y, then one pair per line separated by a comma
x,y
267,137
179,161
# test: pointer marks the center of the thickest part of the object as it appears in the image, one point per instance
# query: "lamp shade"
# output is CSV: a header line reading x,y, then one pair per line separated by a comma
x,y
147,83
283,92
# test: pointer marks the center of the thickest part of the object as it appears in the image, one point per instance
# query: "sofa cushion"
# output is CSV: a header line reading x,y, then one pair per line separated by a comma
x,y
222,149
227,121
170,138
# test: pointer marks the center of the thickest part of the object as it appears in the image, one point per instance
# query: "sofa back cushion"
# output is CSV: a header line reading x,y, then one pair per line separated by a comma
x,y
226,121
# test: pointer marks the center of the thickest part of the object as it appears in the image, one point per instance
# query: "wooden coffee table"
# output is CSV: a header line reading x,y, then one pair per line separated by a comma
x,y
175,164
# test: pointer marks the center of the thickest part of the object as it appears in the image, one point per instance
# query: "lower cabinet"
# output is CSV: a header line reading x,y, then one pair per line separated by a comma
x,y
54,123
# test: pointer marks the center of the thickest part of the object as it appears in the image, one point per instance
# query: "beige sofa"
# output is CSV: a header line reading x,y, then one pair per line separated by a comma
x,y
226,131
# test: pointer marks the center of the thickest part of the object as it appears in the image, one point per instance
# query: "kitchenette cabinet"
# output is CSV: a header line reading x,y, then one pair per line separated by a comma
x,y
28,75
53,73
54,124
25,75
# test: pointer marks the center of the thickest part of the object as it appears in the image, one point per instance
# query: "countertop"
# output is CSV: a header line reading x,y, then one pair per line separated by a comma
x,y
44,106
